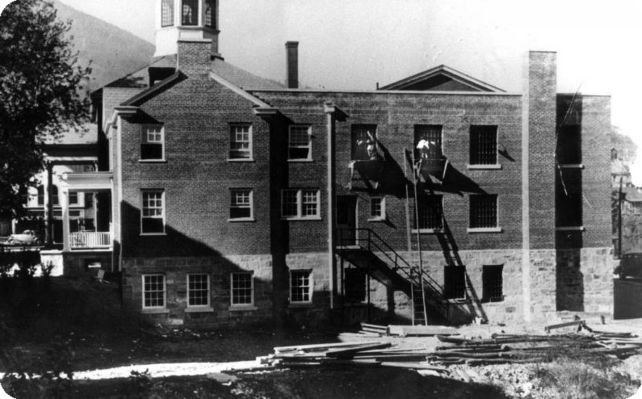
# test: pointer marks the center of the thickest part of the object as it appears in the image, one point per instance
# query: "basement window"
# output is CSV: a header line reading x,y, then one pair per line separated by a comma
x,y
154,291
455,282
198,290
300,286
300,143
483,145
242,289
152,147
355,285
492,283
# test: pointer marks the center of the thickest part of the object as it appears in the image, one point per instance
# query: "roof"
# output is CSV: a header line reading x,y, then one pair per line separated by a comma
x,y
441,78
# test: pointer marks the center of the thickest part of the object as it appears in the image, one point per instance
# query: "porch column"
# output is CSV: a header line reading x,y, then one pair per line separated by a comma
x,y
48,208
64,204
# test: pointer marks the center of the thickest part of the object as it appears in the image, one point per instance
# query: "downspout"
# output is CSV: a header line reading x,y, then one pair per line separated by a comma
x,y
330,110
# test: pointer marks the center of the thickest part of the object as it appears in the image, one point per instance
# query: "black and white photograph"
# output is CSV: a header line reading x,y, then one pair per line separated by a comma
x,y
290,199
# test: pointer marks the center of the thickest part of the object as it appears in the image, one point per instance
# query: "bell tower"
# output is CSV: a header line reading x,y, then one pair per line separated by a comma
x,y
190,20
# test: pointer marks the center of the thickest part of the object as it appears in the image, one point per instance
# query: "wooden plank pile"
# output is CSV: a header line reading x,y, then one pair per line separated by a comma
x,y
527,348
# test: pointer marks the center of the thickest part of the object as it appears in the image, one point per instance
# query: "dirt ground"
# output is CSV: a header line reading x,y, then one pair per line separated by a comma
x,y
78,325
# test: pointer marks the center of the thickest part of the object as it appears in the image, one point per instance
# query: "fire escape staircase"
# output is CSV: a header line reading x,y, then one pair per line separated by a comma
x,y
365,249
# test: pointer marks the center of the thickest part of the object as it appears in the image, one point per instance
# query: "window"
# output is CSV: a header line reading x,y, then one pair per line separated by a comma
x,y
73,198
198,290
300,286
41,196
355,285
483,145
167,13
241,141
300,204
430,212
152,143
210,13
363,142
241,204
242,289
569,145
492,283
190,12
455,282
377,208
300,143
432,135
153,291
483,211
153,215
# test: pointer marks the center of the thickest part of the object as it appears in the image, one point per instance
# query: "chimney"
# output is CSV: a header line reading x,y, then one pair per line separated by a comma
x,y
292,64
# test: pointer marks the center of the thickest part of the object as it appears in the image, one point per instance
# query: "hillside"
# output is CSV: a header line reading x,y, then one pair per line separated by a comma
x,y
112,51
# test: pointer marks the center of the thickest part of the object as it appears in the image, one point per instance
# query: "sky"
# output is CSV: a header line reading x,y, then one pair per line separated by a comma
x,y
353,44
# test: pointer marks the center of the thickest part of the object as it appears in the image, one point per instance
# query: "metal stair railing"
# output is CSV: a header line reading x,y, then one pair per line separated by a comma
x,y
401,265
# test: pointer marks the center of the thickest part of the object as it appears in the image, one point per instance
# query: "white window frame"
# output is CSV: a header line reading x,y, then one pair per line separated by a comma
x,y
382,215
250,150
242,305
299,204
146,129
310,287
209,291
242,219
142,205
309,146
143,292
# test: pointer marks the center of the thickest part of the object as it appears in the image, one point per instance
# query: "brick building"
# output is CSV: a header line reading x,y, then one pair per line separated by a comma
x,y
238,199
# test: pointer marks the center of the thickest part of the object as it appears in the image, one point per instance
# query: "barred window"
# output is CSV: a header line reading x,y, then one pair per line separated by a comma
x,y
242,288
492,283
152,143
153,214
190,12
241,203
455,282
198,290
431,134
377,208
153,291
362,136
431,212
483,211
210,13
483,145
167,13
300,204
240,141
300,286
300,143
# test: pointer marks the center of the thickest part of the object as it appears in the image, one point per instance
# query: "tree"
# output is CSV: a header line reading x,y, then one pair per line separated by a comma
x,y
40,94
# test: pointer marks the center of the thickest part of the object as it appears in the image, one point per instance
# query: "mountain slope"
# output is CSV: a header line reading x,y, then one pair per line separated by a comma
x,y
113,52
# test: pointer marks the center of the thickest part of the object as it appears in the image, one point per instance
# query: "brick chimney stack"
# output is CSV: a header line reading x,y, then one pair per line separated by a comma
x,y
292,65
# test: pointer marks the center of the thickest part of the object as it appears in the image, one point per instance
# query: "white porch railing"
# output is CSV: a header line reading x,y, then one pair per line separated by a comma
x,y
90,239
